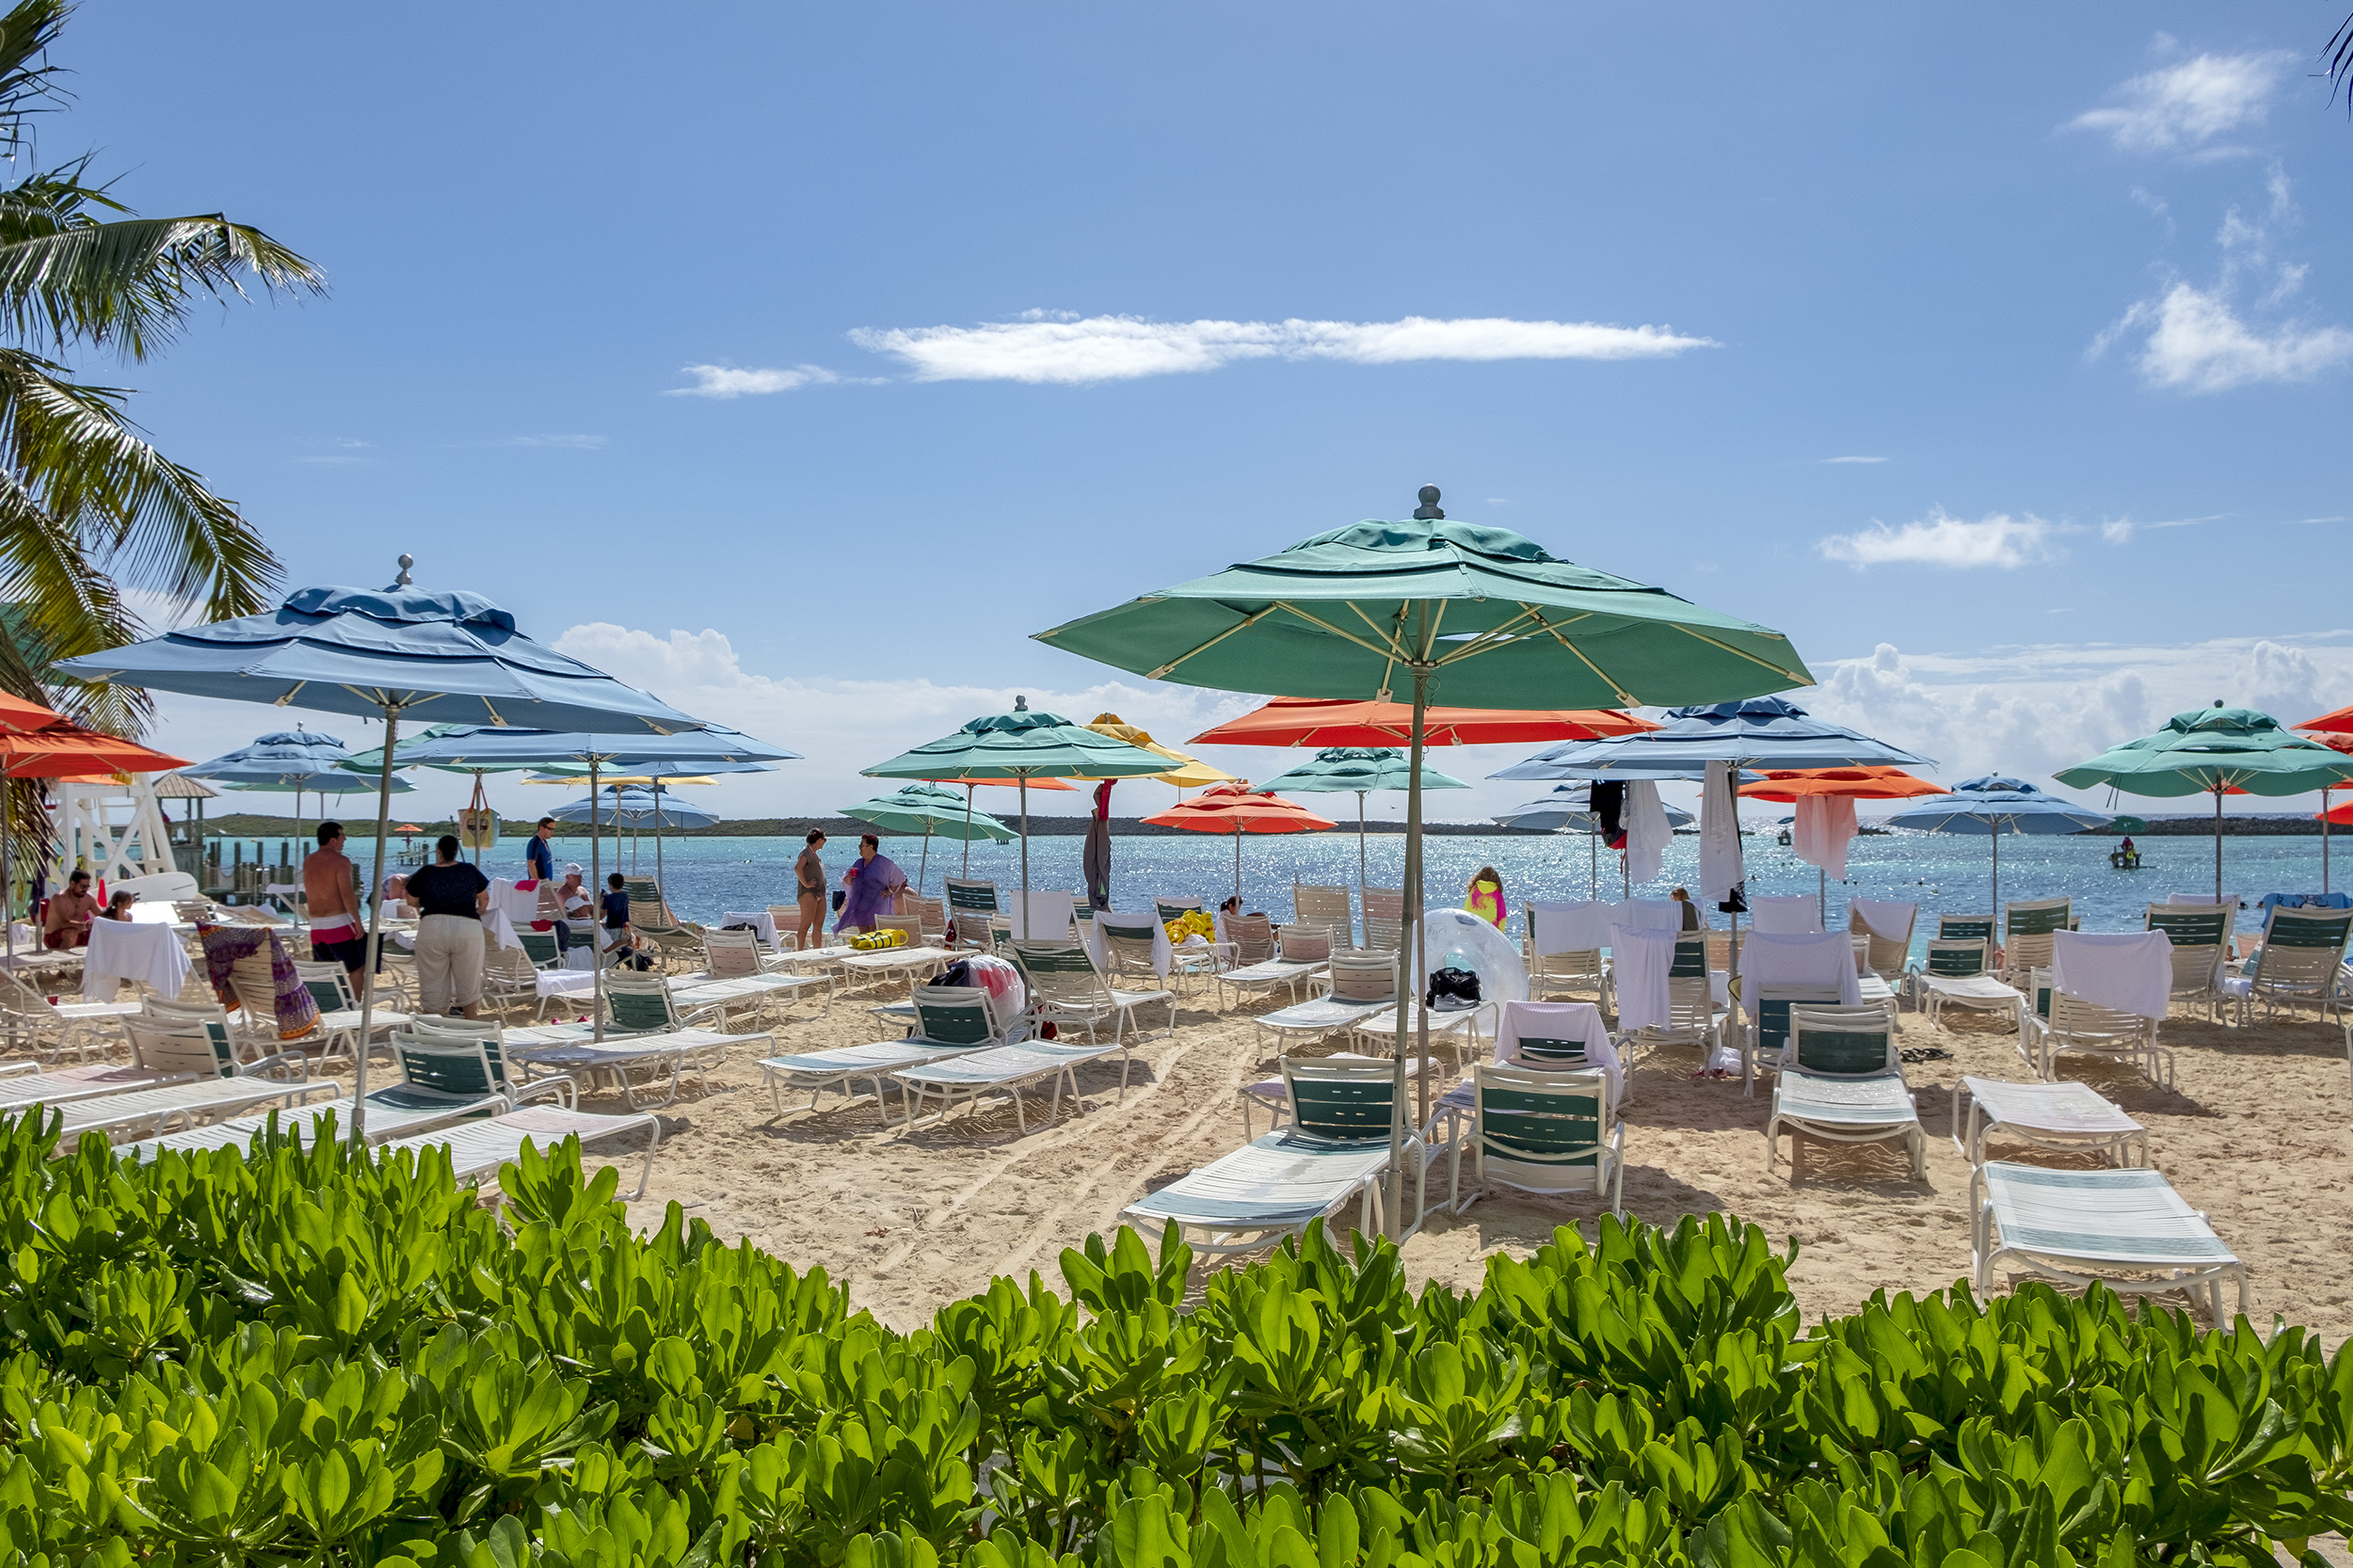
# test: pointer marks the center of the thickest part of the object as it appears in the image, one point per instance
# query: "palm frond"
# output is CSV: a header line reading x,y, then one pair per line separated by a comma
x,y
129,283
135,512
2338,52
27,76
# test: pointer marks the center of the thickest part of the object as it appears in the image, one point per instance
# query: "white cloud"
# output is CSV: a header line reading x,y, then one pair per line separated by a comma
x,y
725,382
575,443
1939,539
2198,343
2032,710
2305,523
1854,459
2184,107
1049,349
2117,531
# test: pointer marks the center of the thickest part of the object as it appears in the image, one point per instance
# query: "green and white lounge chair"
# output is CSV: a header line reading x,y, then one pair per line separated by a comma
x,y
2128,1230
2201,940
976,908
1066,988
164,1050
2028,926
573,1051
669,938
1337,1149
1540,1130
469,1063
952,1020
2302,959
1301,955
1767,1034
1842,1081
1315,1019
2069,1117
968,1077
737,955
477,1149
396,1111
231,1086
329,984
1955,974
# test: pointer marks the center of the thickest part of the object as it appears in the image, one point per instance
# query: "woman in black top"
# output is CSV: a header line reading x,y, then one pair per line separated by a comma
x,y
450,896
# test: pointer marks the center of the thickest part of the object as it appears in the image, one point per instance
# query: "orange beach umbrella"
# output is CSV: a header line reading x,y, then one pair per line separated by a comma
x,y
1235,808
1295,721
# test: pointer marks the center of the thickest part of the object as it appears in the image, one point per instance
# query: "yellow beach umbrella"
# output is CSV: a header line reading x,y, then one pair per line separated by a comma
x,y
1190,770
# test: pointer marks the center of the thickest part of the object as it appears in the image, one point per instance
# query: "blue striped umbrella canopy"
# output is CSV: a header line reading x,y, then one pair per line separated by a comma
x,y
1991,806
400,653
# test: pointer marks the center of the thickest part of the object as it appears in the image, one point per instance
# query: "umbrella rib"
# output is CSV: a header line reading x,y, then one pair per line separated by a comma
x,y
1727,648
1625,697
1390,653
1489,638
1242,625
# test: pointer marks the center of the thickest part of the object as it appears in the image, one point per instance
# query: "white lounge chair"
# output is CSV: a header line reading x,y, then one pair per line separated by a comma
x,y
466,1060
1300,957
329,984
2027,927
1537,1130
165,1050
2069,1117
396,1111
2088,1029
2128,1230
1314,1020
1954,973
82,1027
477,1149
1066,987
239,1087
2201,940
2302,959
1841,1081
965,1078
1326,908
1337,1149
951,1021
573,1051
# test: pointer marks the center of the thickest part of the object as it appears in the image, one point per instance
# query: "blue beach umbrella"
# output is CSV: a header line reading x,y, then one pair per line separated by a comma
x,y
637,807
1760,731
1993,806
397,653
295,759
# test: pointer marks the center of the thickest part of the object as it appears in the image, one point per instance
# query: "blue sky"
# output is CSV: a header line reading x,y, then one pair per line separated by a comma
x,y
994,300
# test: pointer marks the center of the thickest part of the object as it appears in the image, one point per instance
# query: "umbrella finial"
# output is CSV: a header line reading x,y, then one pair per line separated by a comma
x,y
1022,705
1429,510
404,580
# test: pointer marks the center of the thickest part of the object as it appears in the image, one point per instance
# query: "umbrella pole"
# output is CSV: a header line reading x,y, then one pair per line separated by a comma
x,y
1592,863
374,949
657,837
924,869
1364,879
1409,954
1025,854
968,831
596,904
1237,858
2217,846
2323,842
1821,896
1997,883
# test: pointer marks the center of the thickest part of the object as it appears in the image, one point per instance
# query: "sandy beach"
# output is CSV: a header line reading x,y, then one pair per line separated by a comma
x,y
2258,1134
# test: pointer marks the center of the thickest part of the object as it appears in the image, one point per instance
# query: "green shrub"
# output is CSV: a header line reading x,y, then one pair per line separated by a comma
x,y
297,1356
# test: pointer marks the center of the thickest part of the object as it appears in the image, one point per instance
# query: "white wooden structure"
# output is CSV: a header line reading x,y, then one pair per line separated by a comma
x,y
115,831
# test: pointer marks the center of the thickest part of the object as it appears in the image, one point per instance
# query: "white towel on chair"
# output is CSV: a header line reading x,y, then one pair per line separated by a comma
x,y
2130,971
1775,958
1889,921
1047,915
1571,927
1642,959
1558,1020
1788,916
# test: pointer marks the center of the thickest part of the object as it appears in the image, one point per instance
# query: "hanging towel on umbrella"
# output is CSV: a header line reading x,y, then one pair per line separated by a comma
x,y
1647,831
1096,860
1720,873
1824,827
1607,802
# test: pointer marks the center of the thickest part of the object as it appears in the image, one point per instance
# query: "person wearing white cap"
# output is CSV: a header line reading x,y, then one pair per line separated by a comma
x,y
562,904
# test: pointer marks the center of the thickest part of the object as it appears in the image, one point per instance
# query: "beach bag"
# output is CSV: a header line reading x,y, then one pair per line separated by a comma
x,y
1452,989
840,898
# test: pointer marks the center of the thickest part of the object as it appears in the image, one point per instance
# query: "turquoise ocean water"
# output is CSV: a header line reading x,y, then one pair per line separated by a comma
x,y
1949,874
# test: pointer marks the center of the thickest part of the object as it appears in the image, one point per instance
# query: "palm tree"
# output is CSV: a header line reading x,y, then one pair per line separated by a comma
x,y
88,509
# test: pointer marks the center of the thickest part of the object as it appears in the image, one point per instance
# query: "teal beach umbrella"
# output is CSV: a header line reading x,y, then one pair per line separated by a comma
x,y
1485,615
2217,751
1362,769
929,809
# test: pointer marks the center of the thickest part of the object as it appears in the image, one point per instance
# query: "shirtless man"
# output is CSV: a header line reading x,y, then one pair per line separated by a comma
x,y
338,931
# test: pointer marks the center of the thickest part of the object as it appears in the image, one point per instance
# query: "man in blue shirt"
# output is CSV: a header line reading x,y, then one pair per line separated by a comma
x,y
542,858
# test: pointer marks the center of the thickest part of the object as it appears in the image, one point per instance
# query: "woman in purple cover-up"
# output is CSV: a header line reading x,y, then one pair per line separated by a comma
x,y
874,884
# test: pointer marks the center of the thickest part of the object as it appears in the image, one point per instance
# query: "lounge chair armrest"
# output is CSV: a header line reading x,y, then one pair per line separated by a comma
x,y
275,1068
9,1069
559,1088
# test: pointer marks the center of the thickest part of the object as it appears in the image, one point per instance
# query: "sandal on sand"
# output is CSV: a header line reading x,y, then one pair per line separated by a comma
x,y
1926,1053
